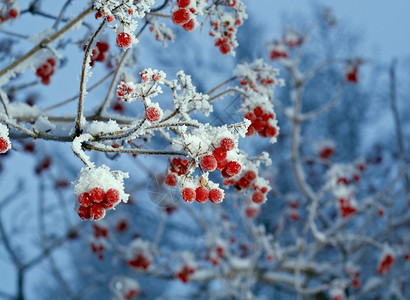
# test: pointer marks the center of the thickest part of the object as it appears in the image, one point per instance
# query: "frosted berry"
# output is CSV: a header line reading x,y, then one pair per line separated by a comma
x,y
216,195
225,48
244,184
84,213
258,197
153,114
13,13
124,40
97,212
171,180
188,195
97,194
209,163
98,15
112,196
202,194
250,175
189,26
110,18
183,3
219,154
84,200
233,168
180,17
227,144
258,111
271,131
4,145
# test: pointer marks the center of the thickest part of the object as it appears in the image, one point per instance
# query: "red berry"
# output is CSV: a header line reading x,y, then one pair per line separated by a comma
x,y
180,17
243,183
250,175
153,114
97,194
124,40
110,18
259,125
221,165
97,211
98,15
216,195
227,144
251,131
258,197
219,154
4,145
103,46
326,152
13,13
271,131
183,3
264,189
188,195
84,213
258,111
202,194
209,163
171,180
225,48
112,196
250,116
233,168
85,200
189,26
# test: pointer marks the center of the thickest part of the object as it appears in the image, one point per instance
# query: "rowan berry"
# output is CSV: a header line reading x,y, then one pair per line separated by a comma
x,y
209,163
202,194
188,195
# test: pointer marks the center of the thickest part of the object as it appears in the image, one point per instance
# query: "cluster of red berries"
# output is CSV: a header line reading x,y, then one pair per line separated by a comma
x,y
184,15
201,194
109,18
100,231
386,263
250,84
124,90
185,273
124,40
45,70
278,51
159,34
156,76
12,13
346,208
226,35
97,247
246,181
94,203
99,52
292,38
140,261
215,255
260,123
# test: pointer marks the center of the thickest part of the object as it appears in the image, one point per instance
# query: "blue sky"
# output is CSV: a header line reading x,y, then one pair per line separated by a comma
x,y
384,24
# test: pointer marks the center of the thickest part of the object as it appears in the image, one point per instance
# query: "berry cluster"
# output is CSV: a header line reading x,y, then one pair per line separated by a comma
x,y
97,247
215,254
224,32
124,90
161,33
184,15
277,51
125,288
347,207
45,70
292,38
264,123
9,11
385,262
185,272
94,203
139,256
99,52
201,194
5,144
100,230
